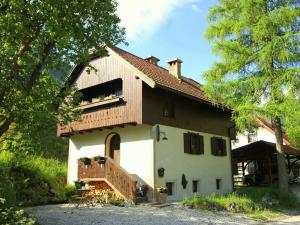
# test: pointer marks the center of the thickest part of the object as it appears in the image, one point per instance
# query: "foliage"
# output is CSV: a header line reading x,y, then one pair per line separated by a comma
x,y
251,201
292,122
31,180
44,143
258,69
38,41
109,197
70,190
162,189
10,215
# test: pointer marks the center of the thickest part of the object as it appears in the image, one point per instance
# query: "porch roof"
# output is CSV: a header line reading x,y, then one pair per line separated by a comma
x,y
260,150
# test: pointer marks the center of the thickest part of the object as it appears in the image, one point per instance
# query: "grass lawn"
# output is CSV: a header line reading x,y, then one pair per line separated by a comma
x,y
257,202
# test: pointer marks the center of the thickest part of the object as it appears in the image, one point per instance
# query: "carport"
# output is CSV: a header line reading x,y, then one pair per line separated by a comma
x,y
264,156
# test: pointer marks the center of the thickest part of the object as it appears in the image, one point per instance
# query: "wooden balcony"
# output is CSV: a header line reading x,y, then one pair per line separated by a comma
x,y
115,176
100,118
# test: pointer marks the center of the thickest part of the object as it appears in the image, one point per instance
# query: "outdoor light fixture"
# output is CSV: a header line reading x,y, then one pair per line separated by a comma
x,y
160,134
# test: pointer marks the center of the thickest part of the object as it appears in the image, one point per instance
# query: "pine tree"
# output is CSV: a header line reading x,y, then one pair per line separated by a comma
x,y
257,74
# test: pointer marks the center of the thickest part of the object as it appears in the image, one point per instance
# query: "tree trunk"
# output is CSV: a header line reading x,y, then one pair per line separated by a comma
x,y
282,170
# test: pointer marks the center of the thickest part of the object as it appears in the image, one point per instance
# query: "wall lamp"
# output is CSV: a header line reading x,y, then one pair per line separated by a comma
x,y
160,134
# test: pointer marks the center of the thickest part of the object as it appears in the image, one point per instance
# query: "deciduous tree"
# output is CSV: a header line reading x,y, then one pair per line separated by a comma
x,y
39,38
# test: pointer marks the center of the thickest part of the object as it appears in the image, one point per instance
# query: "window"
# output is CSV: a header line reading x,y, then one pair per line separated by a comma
x,y
168,110
218,184
218,146
252,136
195,185
170,187
193,143
113,88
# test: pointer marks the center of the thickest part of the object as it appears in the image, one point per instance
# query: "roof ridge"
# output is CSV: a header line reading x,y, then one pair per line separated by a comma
x,y
141,58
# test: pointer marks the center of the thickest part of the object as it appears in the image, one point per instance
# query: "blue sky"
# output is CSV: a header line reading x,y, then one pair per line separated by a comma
x,y
169,29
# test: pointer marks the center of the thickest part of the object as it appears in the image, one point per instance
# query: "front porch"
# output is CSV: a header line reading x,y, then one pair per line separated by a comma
x,y
103,172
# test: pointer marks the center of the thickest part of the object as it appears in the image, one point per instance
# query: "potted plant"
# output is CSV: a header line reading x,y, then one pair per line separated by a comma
x,y
86,161
79,184
162,193
83,103
100,159
94,100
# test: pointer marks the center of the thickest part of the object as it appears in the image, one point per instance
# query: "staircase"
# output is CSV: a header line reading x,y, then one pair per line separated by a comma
x,y
112,174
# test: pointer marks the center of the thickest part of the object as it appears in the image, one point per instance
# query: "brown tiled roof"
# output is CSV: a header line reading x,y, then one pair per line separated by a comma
x,y
162,77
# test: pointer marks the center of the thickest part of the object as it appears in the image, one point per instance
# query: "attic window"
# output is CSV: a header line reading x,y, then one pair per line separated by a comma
x,y
252,136
168,110
102,92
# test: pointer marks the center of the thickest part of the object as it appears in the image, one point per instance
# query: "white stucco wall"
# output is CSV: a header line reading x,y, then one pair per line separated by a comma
x,y
169,154
136,150
262,134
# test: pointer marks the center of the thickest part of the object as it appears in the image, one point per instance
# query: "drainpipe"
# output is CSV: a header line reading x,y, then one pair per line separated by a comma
x,y
154,161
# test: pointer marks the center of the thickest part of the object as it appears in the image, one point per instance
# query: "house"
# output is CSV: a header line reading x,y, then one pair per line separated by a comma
x,y
153,125
255,157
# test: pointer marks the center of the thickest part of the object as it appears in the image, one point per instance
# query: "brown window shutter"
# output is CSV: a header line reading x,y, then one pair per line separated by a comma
x,y
197,142
213,146
194,143
224,150
187,142
201,147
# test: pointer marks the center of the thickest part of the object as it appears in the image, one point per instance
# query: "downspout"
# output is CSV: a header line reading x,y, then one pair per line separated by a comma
x,y
231,171
154,163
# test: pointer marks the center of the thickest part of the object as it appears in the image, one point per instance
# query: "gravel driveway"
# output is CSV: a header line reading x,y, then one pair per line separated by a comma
x,y
142,215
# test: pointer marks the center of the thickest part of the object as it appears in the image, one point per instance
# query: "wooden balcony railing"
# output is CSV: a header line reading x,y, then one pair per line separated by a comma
x,y
119,178
101,118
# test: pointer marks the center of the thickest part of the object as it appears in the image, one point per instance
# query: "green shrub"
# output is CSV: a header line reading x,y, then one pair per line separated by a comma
x,y
11,215
258,202
109,197
31,180
70,190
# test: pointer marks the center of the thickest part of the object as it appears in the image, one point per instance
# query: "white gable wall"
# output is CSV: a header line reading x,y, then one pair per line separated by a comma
x,y
262,134
169,154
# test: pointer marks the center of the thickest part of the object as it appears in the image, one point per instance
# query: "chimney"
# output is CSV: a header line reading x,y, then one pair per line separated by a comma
x,y
152,59
175,67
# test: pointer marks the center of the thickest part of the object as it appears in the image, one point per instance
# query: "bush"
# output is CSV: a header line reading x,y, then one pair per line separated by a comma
x,y
70,190
10,215
109,197
258,202
31,180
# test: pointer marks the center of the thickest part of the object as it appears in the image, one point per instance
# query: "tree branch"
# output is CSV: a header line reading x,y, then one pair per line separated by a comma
x,y
37,70
25,46
5,126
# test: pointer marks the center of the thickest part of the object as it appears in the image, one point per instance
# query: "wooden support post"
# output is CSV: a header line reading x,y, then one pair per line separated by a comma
x,y
270,168
243,168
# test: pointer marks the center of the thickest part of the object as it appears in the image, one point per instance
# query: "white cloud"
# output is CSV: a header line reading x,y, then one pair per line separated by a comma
x,y
142,17
196,8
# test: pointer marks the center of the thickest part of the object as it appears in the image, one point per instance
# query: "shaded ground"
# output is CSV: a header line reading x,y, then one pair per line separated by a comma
x,y
141,215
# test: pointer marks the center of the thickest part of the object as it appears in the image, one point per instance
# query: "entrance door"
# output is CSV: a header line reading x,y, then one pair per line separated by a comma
x,y
114,148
